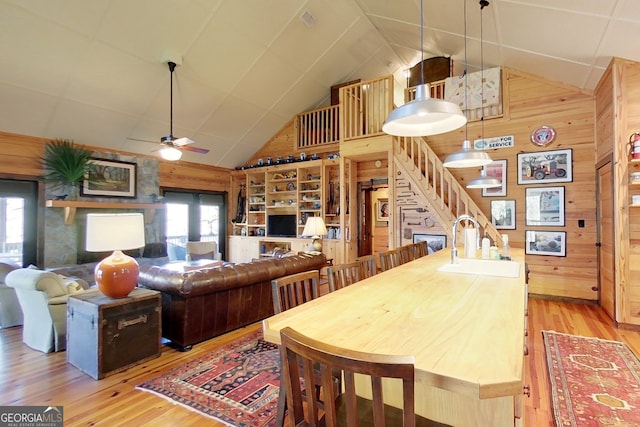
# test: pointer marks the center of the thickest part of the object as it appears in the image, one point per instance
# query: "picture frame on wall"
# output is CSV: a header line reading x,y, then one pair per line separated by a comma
x,y
544,206
545,167
552,243
496,169
110,178
382,210
435,242
503,214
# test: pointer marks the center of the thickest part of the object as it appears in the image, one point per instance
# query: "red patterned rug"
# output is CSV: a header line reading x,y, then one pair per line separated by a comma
x,y
237,384
594,382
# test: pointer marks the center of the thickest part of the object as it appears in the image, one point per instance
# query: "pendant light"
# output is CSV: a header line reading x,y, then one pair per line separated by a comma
x,y
483,181
468,157
424,115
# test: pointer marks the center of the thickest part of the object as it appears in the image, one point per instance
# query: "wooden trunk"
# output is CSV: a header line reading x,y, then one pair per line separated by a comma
x,y
105,335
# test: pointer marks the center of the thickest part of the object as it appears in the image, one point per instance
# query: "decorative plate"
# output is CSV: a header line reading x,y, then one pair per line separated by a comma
x,y
543,135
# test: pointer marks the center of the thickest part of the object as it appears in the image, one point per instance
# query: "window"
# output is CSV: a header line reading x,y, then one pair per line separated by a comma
x,y
194,217
18,221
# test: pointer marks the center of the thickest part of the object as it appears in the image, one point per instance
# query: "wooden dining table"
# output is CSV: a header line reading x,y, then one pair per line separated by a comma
x,y
466,332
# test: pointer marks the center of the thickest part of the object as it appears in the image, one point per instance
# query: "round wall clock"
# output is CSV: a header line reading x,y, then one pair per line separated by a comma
x,y
543,135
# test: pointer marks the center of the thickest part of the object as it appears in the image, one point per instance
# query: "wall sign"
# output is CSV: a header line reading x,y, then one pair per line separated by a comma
x,y
506,141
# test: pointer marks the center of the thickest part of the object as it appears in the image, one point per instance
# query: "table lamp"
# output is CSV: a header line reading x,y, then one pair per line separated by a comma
x,y
117,274
315,228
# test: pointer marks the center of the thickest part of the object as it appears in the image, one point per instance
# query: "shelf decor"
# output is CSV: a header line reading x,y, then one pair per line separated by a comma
x,y
65,165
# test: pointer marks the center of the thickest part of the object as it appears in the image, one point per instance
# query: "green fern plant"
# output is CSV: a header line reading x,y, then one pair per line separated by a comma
x,y
65,163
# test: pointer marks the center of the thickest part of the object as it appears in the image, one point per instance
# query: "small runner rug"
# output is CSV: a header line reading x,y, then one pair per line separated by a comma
x,y
237,384
594,382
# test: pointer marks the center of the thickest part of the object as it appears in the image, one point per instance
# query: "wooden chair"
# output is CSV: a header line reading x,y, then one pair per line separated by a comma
x,y
406,253
295,289
389,259
288,292
343,275
300,354
368,265
421,248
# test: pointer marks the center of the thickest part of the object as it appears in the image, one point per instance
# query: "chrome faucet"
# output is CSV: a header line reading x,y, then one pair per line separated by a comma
x,y
454,232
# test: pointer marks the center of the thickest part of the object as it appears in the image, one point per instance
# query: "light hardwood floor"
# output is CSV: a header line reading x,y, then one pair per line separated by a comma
x,y
28,377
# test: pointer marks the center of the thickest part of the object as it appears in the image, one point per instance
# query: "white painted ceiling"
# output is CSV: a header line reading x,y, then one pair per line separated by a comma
x,y
95,70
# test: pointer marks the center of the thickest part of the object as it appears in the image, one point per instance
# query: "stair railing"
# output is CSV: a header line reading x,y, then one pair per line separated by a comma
x,y
437,183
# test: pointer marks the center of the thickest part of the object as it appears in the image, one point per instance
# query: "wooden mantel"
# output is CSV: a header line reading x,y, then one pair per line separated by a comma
x,y
70,207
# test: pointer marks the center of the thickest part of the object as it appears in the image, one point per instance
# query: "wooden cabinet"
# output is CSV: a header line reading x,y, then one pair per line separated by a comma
x,y
300,189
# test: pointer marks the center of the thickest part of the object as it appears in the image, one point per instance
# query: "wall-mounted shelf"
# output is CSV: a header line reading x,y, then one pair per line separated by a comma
x,y
70,207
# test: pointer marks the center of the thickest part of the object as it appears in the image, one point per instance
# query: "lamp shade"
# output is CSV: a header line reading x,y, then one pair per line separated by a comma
x,y
109,232
467,157
484,181
117,274
424,116
314,227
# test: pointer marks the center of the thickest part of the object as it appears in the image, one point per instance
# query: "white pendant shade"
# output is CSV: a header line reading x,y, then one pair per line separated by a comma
x,y
170,153
424,116
484,181
467,157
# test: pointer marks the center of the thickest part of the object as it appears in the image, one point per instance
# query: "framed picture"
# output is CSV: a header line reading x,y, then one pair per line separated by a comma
x,y
545,167
435,242
382,210
544,206
552,243
496,169
503,214
110,178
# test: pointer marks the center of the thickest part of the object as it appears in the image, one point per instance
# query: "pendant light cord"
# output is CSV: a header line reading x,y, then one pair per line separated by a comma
x,y
483,4
421,43
466,101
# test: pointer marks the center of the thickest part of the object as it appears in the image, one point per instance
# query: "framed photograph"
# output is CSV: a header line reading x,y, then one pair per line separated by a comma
x,y
503,214
552,243
544,206
382,210
545,167
435,242
496,169
110,178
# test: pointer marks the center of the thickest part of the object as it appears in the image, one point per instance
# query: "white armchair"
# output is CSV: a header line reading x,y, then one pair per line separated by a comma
x,y
43,298
10,313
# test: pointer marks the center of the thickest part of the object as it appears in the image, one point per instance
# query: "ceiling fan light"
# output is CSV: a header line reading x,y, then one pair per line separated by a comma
x,y
424,116
170,153
484,181
467,157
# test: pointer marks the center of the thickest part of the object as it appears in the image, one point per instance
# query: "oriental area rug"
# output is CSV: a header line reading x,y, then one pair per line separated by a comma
x,y
594,382
237,384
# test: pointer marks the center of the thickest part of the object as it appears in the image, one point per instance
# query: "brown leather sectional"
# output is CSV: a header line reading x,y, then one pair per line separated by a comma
x,y
201,304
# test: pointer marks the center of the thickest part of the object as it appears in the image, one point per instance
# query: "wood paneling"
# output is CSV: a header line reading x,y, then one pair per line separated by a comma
x,y
533,102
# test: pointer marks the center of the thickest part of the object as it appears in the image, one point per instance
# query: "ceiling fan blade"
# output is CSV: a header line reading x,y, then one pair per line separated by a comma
x,y
183,141
142,140
194,149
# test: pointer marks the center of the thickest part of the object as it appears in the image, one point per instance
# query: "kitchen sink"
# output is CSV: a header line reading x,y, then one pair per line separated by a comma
x,y
483,267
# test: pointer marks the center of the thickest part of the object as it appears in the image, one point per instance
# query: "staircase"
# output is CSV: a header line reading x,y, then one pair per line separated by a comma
x,y
449,198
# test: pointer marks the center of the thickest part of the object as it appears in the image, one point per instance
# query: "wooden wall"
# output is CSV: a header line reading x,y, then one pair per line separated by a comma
x,y
529,103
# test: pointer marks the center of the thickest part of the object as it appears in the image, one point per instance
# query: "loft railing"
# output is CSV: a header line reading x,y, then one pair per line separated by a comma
x,y
450,198
363,108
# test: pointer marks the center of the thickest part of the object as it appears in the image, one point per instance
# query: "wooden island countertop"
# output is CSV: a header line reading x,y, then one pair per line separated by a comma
x,y
466,332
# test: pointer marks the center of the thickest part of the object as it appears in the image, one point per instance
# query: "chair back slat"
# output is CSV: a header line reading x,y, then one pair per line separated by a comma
x,y
294,289
368,265
389,259
343,275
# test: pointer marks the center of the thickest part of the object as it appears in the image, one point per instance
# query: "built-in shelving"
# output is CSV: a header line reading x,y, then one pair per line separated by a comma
x,y
70,207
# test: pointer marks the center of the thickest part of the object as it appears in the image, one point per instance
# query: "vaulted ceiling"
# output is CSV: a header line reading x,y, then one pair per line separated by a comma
x,y
95,71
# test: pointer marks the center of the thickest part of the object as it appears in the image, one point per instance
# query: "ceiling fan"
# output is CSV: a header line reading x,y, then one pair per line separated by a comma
x,y
171,146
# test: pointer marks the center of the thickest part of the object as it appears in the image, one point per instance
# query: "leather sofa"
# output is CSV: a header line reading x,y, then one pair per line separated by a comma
x,y
202,304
